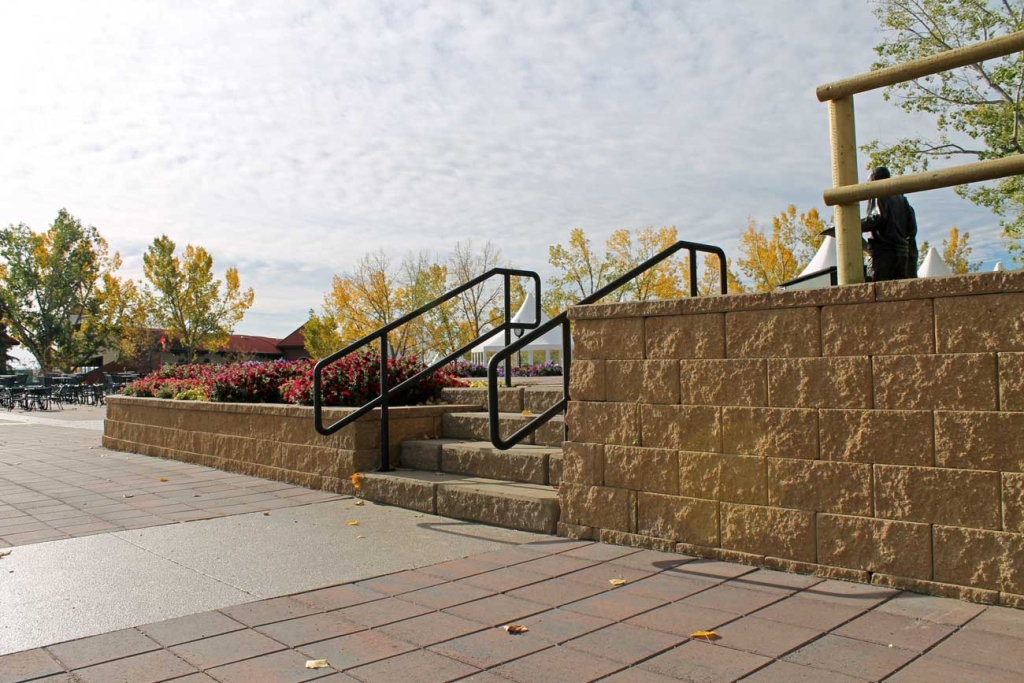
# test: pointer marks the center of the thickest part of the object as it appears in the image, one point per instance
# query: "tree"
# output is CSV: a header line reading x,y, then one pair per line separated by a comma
x,y
770,260
53,288
464,264
709,282
977,109
666,280
582,272
187,301
956,253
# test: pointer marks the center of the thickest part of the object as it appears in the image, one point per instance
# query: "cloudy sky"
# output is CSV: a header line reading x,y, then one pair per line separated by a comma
x,y
290,137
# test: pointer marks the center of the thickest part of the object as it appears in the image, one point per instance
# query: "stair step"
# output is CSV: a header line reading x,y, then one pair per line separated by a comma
x,y
475,427
512,505
530,464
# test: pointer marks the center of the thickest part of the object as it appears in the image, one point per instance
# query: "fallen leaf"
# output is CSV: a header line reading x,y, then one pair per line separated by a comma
x,y
617,582
418,514
527,412
316,664
353,522
4,553
129,495
266,514
163,478
357,481
516,629
360,502
706,635
360,536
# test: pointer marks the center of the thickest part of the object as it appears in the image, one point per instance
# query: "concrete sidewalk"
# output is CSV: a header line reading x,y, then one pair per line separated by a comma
x,y
252,594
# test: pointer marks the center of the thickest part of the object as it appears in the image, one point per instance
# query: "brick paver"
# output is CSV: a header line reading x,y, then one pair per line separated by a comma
x,y
790,629
60,483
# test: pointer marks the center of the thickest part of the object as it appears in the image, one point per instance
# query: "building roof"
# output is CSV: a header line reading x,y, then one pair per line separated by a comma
x,y
243,343
295,340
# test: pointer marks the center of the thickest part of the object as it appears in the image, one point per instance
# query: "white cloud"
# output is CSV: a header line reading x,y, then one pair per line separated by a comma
x,y
289,138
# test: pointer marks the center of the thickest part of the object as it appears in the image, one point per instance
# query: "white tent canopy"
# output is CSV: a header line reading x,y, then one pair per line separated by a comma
x,y
825,258
933,265
998,267
547,343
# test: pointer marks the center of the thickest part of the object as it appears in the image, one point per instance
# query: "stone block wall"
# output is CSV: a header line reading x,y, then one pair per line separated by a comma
x,y
264,440
872,432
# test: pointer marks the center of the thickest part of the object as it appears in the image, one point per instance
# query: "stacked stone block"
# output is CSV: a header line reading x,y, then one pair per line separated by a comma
x,y
872,432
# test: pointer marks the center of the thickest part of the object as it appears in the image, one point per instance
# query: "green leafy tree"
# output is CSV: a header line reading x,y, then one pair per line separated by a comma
x,y
186,299
53,290
977,109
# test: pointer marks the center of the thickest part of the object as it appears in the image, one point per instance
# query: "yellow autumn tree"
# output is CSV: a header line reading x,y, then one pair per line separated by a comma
x,y
769,259
581,271
625,251
185,298
710,277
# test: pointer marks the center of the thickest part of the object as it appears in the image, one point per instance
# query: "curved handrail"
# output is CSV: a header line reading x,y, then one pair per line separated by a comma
x,y
562,320
382,334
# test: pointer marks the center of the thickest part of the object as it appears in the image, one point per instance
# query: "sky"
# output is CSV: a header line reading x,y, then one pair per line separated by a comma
x,y
290,138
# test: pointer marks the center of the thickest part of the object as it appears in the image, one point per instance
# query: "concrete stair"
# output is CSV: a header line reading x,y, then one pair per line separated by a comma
x,y
513,505
461,475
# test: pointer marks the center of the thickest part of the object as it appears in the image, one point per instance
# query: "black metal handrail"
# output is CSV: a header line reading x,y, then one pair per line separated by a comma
x,y
562,320
386,392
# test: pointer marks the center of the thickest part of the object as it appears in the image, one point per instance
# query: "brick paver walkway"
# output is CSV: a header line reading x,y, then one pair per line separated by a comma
x,y
61,483
443,623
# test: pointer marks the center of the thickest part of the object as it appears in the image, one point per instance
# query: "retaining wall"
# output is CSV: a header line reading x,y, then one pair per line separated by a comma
x,y
872,432
264,440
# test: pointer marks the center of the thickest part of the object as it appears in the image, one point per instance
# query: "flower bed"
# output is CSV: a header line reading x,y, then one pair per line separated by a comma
x,y
352,381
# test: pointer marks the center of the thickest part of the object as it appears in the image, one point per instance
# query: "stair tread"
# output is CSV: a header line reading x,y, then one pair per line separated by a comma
x,y
539,492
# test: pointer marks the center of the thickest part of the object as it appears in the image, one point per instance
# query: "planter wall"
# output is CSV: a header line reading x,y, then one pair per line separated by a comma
x,y
872,432
264,440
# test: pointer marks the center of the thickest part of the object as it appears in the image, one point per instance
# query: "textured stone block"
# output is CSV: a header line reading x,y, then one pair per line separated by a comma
x,y
615,338
975,324
766,531
941,382
938,496
498,505
744,479
878,329
587,380
655,381
698,475
1011,381
615,423
583,463
411,494
945,590
772,432
980,441
820,382
421,455
539,399
823,296
820,486
595,506
687,520
895,437
737,382
686,336
644,469
992,560
782,333
1013,502
687,428
936,287
876,545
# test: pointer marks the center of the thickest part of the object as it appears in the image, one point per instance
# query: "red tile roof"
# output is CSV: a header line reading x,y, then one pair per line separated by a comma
x,y
295,340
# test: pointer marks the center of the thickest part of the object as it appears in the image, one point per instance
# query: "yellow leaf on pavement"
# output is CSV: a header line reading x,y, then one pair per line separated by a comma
x,y
617,582
360,502
316,664
527,412
706,635
163,478
360,536
352,522
516,629
357,481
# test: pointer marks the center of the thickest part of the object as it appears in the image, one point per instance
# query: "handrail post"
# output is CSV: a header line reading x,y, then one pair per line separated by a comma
x,y
385,445
566,369
508,330
693,271
849,258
